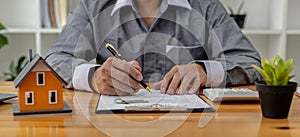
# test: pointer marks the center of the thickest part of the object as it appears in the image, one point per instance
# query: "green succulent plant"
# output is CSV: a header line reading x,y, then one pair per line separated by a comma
x,y
277,71
14,69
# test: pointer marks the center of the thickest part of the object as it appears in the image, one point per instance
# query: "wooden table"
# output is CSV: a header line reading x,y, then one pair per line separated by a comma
x,y
230,119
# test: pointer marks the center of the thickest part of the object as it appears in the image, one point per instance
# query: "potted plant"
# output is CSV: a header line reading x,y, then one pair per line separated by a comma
x,y
14,69
276,92
3,39
238,16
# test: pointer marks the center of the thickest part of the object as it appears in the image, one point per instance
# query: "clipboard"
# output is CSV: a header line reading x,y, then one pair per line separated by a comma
x,y
298,91
155,102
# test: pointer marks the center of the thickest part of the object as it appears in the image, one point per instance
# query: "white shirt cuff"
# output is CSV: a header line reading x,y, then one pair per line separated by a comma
x,y
80,78
214,71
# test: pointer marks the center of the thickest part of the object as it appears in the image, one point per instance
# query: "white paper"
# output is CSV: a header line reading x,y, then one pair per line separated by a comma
x,y
298,90
189,101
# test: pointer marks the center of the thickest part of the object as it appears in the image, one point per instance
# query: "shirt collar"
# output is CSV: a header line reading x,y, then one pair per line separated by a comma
x,y
122,3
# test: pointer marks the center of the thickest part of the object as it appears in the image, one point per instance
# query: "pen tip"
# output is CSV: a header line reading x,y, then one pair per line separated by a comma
x,y
149,89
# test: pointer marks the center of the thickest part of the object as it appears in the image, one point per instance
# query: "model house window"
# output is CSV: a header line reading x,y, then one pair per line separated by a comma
x,y
40,78
29,98
52,97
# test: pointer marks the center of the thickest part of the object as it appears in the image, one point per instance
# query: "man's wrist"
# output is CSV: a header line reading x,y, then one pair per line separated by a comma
x,y
202,74
202,66
91,78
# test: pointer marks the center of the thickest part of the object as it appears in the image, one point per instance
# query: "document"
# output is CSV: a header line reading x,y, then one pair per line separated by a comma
x,y
143,101
298,91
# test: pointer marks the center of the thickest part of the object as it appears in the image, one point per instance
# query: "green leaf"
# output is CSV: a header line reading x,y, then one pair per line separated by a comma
x,y
273,61
2,26
10,79
12,66
274,78
281,73
276,72
15,70
285,81
3,41
269,70
21,68
264,61
288,70
262,72
290,77
7,74
20,64
280,62
289,62
20,61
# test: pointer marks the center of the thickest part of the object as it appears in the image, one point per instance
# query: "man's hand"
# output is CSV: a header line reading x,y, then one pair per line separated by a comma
x,y
183,79
117,77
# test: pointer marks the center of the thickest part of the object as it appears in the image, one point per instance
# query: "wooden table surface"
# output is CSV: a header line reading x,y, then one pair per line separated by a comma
x,y
240,119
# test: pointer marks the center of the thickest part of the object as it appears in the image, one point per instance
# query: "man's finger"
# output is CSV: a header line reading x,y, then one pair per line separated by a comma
x,y
124,78
167,79
195,86
174,84
105,89
136,65
127,68
185,83
105,81
121,93
122,87
157,85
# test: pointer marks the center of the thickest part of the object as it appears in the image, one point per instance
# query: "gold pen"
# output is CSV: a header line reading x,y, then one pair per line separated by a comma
x,y
113,51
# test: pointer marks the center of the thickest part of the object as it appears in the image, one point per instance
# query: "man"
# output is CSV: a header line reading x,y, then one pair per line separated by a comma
x,y
180,44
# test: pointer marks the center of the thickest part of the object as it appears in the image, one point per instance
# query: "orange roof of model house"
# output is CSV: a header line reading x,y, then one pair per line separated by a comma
x,y
39,87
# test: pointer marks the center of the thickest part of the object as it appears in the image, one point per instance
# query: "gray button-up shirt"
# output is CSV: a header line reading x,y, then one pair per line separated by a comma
x,y
184,31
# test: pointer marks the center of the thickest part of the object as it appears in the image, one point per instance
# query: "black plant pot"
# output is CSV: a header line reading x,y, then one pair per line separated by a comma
x,y
239,19
275,101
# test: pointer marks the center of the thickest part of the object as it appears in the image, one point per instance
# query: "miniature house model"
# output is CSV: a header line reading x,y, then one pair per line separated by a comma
x,y
40,89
